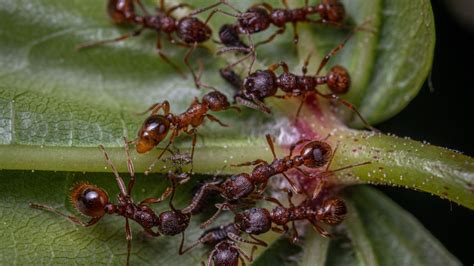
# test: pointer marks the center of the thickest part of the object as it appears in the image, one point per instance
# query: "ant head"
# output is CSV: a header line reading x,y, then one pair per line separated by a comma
x,y
339,80
238,186
119,11
89,199
333,11
333,211
172,222
191,30
280,215
216,101
153,131
255,20
261,84
316,154
226,254
254,221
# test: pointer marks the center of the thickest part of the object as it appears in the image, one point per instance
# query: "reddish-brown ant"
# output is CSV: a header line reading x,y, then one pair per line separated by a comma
x,y
260,17
315,154
189,30
92,201
223,238
256,221
156,126
262,84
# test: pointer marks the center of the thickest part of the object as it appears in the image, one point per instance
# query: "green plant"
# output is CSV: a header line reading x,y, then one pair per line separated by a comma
x,y
57,105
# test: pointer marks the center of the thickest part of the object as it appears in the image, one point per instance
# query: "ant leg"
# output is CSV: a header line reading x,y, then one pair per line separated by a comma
x,y
117,39
256,162
181,250
217,213
319,229
238,238
271,145
300,107
163,196
193,133
197,78
198,197
71,218
285,3
272,37
247,257
295,235
278,230
131,168
162,5
333,52
253,104
281,64
258,241
209,260
214,119
350,106
269,199
175,133
165,58
119,180
128,233
156,107
295,188
176,7
304,69
295,33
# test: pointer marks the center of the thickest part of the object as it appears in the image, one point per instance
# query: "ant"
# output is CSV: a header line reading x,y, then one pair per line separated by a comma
x,y
256,221
155,128
262,84
261,16
223,238
189,30
314,154
93,202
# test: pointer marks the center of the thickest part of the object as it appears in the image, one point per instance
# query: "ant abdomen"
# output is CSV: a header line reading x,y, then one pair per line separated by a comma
x,y
173,222
153,131
254,221
338,80
121,11
191,30
238,186
255,20
316,154
333,211
89,200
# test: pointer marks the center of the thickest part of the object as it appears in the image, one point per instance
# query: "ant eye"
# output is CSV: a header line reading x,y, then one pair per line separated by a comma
x,y
89,199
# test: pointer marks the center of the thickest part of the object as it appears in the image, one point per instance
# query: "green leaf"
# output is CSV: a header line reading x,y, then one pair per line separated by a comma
x,y
381,232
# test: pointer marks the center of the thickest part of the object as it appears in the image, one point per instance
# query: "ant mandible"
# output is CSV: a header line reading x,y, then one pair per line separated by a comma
x,y
223,238
262,84
93,202
189,30
314,154
256,221
155,128
261,16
